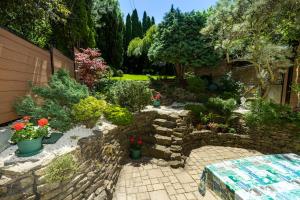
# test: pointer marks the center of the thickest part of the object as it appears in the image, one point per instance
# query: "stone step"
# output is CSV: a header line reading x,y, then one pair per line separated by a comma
x,y
177,140
163,140
176,156
176,148
160,151
177,163
165,123
162,130
170,117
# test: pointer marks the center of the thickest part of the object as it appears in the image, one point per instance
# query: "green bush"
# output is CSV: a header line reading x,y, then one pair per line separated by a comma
x,y
221,106
63,89
88,110
57,97
118,115
196,84
61,169
119,73
230,88
267,113
134,95
196,109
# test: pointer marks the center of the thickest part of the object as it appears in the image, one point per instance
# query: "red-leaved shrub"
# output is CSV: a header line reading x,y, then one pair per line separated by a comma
x,y
91,66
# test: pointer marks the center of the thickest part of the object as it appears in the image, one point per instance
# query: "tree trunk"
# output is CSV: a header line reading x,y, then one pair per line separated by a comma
x,y
179,71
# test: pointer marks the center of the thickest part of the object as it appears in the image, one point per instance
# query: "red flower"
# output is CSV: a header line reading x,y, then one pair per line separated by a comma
x,y
140,141
18,126
131,139
43,122
26,118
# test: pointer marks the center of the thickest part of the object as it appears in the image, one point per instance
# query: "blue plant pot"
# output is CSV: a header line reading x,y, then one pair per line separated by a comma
x,y
156,103
29,147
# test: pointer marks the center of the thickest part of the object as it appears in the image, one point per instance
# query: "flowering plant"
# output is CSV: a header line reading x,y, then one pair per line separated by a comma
x,y
157,96
25,130
135,142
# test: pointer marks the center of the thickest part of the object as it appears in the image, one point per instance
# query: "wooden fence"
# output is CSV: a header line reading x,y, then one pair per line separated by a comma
x,y
21,62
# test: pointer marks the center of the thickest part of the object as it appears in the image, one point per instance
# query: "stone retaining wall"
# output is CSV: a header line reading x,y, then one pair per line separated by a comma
x,y
100,156
268,140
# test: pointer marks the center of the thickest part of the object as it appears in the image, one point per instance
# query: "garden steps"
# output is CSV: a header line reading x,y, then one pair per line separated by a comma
x,y
160,151
162,130
164,123
163,140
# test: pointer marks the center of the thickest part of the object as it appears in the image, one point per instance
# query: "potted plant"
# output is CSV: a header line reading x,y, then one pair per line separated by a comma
x,y
135,147
29,136
156,99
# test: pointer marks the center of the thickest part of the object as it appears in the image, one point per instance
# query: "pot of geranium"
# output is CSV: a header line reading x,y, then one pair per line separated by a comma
x,y
29,136
156,99
135,147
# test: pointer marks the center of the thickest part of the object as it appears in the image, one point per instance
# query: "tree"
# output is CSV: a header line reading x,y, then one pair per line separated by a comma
x,y
90,66
31,19
146,23
78,31
249,32
178,41
127,31
137,30
109,28
139,46
152,21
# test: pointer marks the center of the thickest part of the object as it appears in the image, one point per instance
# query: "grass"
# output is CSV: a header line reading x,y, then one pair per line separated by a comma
x,y
135,77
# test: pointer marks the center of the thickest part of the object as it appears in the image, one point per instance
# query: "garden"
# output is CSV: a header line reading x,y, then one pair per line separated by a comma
x,y
171,116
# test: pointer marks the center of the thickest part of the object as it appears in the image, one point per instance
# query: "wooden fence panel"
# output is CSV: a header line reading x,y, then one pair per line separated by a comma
x,y
21,63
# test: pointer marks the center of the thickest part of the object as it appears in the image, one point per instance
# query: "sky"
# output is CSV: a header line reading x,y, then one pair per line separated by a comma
x,y
158,8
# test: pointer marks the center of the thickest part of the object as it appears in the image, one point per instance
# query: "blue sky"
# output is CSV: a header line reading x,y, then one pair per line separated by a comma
x,y
158,8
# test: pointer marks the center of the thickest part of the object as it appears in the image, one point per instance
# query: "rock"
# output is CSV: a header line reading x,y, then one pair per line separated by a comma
x,y
159,151
162,130
163,140
176,156
164,123
182,129
176,148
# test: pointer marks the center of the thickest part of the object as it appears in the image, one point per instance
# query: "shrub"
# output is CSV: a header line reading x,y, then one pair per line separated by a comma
x,y
133,95
88,110
230,88
119,73
91,67
266,113
58,98
118,115
221,106
59,116
196,109
61,169
196,84
63,89
104,85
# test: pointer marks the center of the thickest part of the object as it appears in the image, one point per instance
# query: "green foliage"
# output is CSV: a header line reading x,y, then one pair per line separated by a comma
x,y
78,29
109,29
119,73
62,89
58,98
178,41
229,88
196,84
137,30
88,110
118,115
221,106
61,169
267,113
133,95
33,20
262,38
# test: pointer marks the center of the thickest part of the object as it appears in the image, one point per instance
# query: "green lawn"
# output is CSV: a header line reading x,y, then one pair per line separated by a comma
x,y
135,77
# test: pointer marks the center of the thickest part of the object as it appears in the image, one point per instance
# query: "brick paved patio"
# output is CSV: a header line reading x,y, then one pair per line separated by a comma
x,y
146,181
